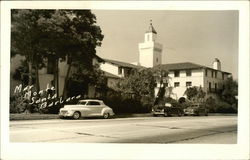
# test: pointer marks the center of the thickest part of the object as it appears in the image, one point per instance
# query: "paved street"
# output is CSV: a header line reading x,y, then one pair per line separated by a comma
x,y
207,130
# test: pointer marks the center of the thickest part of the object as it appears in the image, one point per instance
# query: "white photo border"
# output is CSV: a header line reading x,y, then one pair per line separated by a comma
x,y
128,151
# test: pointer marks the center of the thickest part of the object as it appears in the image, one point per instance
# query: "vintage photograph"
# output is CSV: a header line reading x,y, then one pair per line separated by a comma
x,y
123,76
125,80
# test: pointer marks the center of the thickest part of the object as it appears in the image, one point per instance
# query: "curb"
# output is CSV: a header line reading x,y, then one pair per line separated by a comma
x,y
17,117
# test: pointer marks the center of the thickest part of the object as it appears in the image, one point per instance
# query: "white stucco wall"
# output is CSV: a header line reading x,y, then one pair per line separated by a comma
x,y
146,54
149,52
149,37
214,80
198,78
46,79
110,68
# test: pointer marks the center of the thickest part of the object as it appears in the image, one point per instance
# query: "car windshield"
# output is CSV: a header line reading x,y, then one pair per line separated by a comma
x,y
82,102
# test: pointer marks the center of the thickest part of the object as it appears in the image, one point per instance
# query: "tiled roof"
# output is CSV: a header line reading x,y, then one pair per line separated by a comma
x,y
182,66
179,66
123,64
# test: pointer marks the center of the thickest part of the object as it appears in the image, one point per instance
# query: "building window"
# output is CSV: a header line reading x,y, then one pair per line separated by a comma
x,y
212,74
215,74
188,72
119,70
210,86
215,86
188,84
205,72
51,66
176,84
156,59
222,76
176,73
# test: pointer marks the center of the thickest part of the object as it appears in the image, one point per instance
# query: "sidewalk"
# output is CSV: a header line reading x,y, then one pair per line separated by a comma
x,y
37,116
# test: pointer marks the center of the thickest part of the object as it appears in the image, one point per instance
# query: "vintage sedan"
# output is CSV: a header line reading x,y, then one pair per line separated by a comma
x,y
86,108
196,109
166,110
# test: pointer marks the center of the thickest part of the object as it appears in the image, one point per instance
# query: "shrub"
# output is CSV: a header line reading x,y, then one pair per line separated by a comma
x,y
223,107
121,103
211,104
216,106
19,104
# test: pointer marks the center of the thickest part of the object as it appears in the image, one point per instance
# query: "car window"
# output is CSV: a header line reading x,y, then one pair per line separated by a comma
x,y
93,103
82,102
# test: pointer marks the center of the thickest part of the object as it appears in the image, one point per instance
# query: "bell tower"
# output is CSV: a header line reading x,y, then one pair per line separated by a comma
x,y
150,52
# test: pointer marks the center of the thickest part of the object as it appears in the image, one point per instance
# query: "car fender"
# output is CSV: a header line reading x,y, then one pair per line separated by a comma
x,y
77,110
106,110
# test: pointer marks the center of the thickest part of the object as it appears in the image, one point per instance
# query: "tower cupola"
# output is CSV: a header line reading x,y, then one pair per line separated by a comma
x,y
150,34
150,51
151,28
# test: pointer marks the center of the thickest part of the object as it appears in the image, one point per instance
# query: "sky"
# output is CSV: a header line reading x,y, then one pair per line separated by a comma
x,y
186,36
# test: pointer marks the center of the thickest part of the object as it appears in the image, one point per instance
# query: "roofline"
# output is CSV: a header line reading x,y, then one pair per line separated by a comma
x,y
198,67
202,68
133,66
99,58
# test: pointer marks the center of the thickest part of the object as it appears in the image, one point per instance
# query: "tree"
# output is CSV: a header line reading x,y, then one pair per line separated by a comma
x,y
135,93
191,92
161,77
54,34
26,39
194,93
60,35
138,84
74,35
229,91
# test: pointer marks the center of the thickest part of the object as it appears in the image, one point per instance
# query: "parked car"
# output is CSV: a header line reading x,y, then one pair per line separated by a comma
x,y
86,108
166,110
196,109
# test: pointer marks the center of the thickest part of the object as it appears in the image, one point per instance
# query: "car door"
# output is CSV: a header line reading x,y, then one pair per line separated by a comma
x,y
94,108
83,108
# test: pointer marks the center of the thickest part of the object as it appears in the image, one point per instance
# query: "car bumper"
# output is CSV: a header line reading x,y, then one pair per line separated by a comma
x,y
67,114
158,112
189,113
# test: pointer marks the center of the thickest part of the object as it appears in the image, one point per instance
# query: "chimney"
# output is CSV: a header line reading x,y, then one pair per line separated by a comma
x,y
216,64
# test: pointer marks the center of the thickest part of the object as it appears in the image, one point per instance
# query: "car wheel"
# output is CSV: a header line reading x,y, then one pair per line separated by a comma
x,y
165,114
76,115
198,113
179,113
106,115
155,115
206,113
